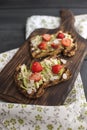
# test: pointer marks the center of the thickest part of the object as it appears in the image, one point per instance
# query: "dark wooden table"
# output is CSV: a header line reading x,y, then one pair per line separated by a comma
x,y
13,15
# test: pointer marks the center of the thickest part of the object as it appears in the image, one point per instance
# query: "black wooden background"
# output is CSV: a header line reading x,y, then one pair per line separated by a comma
x,y
13,15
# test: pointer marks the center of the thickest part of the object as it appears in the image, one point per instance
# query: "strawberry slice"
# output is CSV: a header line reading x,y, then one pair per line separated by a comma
x,y
55,46
36,67
60,35
42,46
35,76
56,68
66,42
46,37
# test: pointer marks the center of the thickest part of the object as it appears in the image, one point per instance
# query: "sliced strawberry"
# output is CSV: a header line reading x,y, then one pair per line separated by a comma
x,y
46,37
66,42
35,76
56,68
36,67
55,46
60,35
42,46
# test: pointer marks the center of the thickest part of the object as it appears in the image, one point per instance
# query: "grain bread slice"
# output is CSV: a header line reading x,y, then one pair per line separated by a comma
x,y
52,44
32,82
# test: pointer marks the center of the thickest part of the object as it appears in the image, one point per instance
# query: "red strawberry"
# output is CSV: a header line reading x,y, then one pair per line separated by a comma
x,y
35,76
66,42
42,46
60,35
55,46
36,67
56,68
46,37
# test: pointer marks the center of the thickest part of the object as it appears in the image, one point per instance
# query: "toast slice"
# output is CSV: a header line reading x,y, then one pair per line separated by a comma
x,y
33,81
52,44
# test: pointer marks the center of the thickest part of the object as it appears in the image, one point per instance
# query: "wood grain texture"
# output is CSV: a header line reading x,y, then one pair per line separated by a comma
x,y
54,95
40,3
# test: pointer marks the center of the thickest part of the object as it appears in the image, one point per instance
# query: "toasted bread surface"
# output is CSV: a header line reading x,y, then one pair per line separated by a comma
x,y
35,89
65,45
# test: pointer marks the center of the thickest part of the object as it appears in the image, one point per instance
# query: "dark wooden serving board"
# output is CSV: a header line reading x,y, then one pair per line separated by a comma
x,y
54,95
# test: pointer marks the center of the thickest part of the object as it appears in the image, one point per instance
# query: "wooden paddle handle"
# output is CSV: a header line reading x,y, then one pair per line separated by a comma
x,y
67,18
